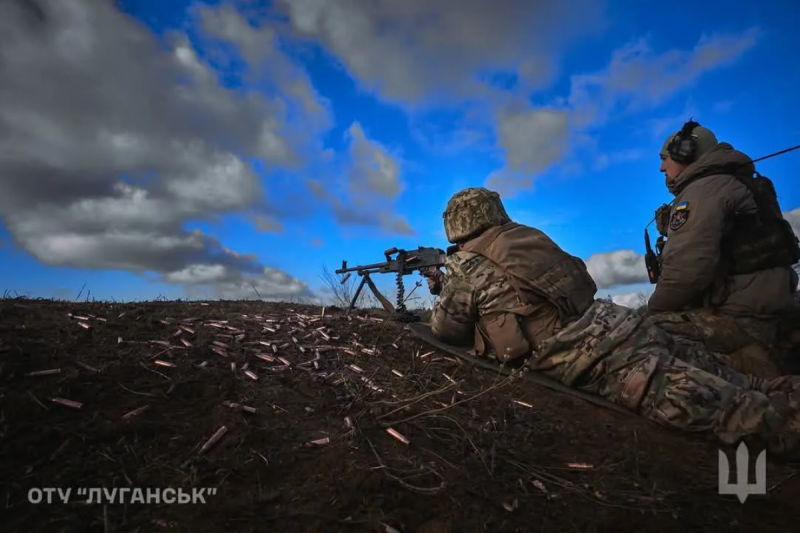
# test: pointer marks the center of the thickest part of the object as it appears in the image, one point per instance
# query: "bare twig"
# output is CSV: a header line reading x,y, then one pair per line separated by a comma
x,y
454,404
403,483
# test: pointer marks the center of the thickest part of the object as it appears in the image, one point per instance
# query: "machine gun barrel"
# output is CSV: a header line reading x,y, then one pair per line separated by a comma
x,y
377,267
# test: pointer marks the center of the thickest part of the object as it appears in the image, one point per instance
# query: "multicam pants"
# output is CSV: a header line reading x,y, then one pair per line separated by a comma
x,y
745,344
620,355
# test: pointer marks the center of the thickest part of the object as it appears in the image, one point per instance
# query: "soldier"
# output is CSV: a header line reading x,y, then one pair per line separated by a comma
x,y
512,292
726,279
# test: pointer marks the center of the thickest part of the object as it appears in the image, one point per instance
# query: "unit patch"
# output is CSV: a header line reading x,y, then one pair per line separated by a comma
x,y
678,219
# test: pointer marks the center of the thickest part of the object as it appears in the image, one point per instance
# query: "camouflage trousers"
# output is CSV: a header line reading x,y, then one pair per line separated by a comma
x,y
745,344
621,356
789,340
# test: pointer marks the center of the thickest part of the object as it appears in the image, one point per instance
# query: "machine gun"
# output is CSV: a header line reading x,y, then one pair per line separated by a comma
x,y
405,262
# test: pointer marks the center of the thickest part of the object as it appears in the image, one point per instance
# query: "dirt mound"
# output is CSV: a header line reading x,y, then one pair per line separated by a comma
x,y
331,424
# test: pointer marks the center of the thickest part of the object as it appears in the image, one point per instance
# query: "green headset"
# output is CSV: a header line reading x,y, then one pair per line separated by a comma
x,y
683,147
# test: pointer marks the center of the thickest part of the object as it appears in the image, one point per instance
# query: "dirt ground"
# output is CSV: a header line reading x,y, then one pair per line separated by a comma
x,y
334,399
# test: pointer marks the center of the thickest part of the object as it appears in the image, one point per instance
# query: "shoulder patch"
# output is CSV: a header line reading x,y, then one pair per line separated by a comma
x,y
461,264
682,206
678,219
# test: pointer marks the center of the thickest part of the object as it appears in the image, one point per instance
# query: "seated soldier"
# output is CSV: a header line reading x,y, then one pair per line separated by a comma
x,y
512,292
726,279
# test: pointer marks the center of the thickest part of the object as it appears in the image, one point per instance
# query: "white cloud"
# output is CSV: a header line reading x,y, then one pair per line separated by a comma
x,y
630,299
450,134
269,67
267,225
373,169
371,185
270,285
104,163
533,139
620,267
793,217
638,77
416,49
198,274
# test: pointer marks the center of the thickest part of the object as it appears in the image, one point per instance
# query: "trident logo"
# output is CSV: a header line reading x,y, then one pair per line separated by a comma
x,y
742,488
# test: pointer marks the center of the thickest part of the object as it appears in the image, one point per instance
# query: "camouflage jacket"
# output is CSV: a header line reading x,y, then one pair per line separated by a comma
x,y
507,290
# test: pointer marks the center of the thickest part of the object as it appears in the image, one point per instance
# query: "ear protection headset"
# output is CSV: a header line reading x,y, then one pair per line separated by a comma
x,y
683,147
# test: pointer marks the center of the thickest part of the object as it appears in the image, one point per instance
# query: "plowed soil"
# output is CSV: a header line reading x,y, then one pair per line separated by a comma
x,y
332,423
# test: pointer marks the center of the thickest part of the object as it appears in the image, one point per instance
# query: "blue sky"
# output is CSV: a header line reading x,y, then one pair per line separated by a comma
x,y
202,148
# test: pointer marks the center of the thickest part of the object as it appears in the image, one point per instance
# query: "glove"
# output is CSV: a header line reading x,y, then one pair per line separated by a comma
x,y
660,243
435,278
662,219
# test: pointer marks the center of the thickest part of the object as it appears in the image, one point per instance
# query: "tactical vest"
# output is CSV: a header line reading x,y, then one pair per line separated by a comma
x,y
540,274
762,240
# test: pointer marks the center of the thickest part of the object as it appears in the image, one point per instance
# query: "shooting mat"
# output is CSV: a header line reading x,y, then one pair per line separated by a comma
x,y
423,331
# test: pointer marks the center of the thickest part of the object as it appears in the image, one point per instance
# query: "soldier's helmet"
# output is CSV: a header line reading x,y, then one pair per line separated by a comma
x,y
472,211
